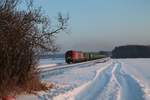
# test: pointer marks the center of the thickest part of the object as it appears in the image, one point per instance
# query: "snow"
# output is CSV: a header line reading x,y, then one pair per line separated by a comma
x,y
85,90
49,62
52,61
74,76
27,97
116,79
139,69
110,83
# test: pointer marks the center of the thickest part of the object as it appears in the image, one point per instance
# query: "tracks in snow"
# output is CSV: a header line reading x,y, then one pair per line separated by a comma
x,y
120,86
111,90
110,83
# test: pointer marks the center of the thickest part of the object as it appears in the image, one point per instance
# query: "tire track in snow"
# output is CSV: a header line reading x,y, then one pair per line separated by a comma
x,y
87,91
110,83
121,86
112,89
130,88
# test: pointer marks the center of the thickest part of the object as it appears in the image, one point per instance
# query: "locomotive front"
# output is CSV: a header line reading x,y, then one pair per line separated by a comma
x,y
69,57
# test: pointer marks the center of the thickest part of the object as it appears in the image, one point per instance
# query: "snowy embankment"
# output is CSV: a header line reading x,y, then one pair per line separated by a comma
x,y
116,79
45,63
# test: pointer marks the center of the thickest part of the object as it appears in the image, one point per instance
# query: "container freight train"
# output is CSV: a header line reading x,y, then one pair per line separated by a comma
x,y
78,56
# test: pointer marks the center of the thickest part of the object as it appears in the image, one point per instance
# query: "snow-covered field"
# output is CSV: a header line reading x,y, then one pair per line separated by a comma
x,y
43,63
116,79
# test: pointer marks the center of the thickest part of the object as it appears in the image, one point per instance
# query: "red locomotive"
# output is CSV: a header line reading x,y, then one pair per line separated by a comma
x,y
72,56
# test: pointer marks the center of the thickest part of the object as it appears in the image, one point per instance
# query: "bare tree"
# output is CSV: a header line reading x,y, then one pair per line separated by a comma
x,y
22,34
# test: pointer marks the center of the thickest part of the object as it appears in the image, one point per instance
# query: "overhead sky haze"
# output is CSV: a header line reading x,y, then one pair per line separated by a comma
x,y
101,24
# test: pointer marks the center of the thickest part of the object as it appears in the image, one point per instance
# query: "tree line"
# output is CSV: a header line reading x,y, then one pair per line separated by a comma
x,y
131,51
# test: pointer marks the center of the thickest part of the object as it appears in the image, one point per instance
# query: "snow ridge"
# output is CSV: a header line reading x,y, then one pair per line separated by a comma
x,y
87,91
112,89
110,83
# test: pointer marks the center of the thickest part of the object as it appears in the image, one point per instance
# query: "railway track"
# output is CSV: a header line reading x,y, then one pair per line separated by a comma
x,y
61,66
58,69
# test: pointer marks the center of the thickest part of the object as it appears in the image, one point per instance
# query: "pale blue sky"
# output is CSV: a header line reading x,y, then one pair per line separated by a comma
x,y
101,24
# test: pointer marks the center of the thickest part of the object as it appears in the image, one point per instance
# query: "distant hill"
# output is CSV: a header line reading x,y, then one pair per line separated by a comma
x,y
52,56
131,51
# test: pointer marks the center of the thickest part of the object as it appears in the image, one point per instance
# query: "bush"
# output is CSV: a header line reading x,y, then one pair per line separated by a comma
x,y
23,33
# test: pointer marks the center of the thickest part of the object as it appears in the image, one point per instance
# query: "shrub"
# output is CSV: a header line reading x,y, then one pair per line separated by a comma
x,y
23,33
